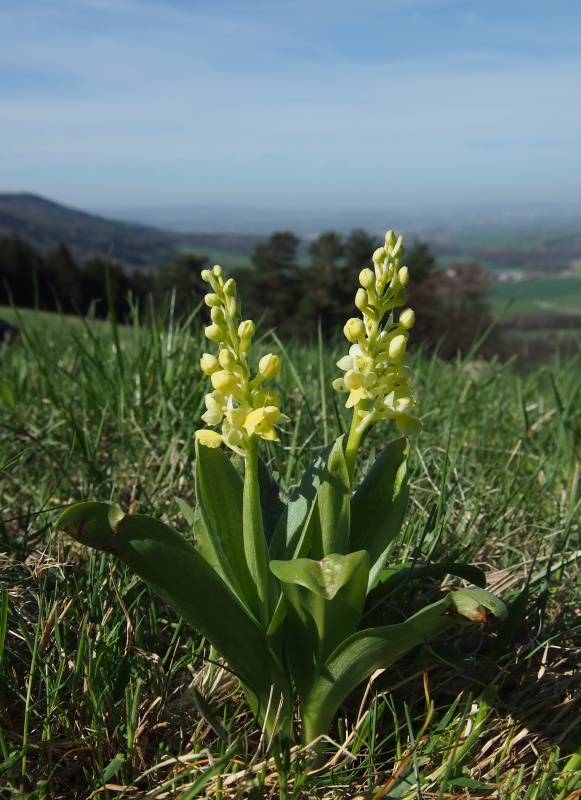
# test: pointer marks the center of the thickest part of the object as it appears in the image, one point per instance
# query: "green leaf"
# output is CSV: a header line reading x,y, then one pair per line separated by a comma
x,y
377,648
290,536
177,572
113,767
329,524
324,600
219,493
378,506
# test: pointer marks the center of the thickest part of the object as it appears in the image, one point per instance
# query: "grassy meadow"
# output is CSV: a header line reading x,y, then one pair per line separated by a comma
x,y
106,693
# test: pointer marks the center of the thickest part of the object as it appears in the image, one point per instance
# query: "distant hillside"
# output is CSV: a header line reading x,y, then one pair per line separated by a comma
x,y
45,224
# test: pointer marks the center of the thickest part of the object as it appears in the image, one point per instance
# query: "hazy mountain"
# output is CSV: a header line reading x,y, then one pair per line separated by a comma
x,y
45,224
536,238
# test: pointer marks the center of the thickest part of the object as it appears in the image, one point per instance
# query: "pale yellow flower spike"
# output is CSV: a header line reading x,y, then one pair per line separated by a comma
x,y
237,403
376,375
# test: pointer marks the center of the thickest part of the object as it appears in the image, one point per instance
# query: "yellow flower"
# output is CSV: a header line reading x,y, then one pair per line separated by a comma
x,y
217,406
260,421
209,438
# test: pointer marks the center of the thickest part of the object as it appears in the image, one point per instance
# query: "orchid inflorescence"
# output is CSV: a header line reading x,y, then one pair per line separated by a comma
x,y
238,402
376,371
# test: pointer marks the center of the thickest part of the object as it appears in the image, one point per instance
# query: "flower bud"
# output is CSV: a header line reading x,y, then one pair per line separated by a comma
x,y
367,278
246,329
354,329
265,397
227,359
403,276
361,300
223,381
209,364
379,255
269,366
206,275
407,318
218,271
217,315
389,241
215,333
230,286
397,346
212,300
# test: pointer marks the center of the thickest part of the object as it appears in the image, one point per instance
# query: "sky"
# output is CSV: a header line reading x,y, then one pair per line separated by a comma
x,y
292,103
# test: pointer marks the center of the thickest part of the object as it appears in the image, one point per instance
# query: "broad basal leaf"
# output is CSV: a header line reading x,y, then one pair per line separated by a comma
x,y
219,493
376,648
324,600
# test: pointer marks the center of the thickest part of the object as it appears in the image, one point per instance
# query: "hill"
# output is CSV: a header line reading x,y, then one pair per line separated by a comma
x,y
45,224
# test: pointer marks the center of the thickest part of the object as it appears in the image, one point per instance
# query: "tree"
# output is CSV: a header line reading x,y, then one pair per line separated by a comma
x,y
60,282
321,283
326,252
180,279
20,266
451,306
272,289
94,282
359,248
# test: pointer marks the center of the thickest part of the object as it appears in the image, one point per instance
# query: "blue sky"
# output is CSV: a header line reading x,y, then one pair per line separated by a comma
x,y
292,103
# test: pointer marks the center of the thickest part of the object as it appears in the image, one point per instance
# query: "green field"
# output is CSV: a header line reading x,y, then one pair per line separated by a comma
x,y
96,695
560,294
229,261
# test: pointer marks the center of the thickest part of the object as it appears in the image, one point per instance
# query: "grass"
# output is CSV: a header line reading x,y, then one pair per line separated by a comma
x,y
105,693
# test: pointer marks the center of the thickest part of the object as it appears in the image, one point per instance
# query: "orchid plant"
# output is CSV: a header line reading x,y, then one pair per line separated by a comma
x,y
279,583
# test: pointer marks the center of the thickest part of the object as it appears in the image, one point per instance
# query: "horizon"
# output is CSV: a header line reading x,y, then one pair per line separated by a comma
x,y
308,223
413,107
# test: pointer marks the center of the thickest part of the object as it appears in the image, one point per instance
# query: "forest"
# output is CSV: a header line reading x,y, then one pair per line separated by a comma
x,y
284,288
